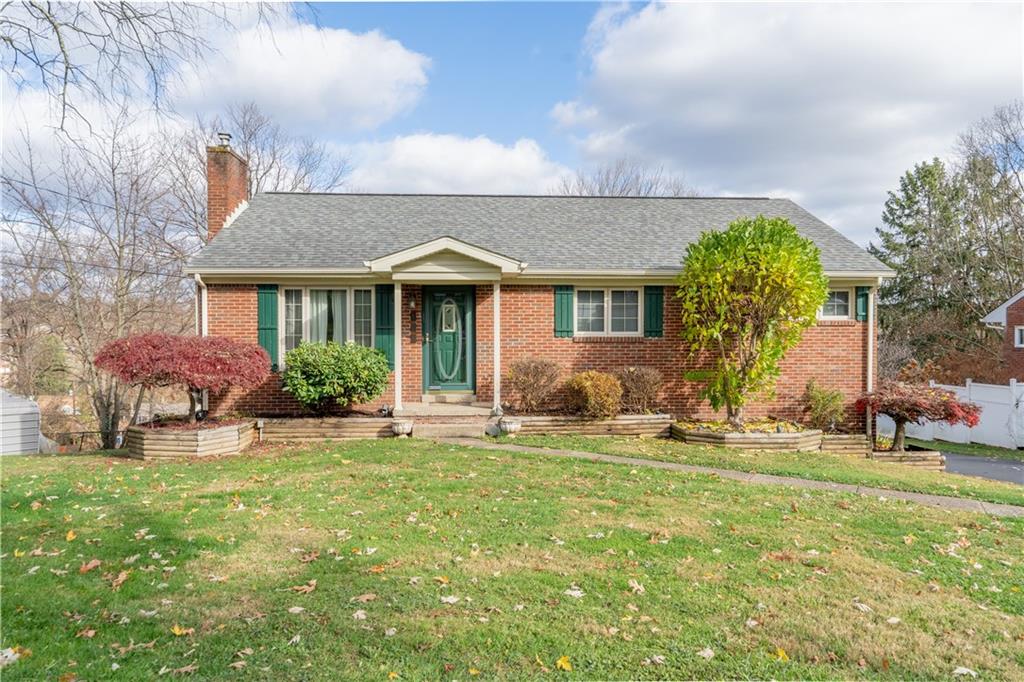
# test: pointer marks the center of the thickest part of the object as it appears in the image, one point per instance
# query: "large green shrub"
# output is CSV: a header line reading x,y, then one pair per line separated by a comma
x,y
322,374
595,395
746,295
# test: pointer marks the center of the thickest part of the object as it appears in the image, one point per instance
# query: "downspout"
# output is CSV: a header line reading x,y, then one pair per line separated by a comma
x,y
202,320
870,381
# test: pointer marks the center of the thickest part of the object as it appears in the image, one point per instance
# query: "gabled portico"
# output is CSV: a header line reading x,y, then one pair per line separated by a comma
x,y
448,272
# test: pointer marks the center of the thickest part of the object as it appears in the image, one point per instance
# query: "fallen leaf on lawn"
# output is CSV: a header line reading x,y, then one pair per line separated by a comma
x,y
390,632
706,653
781,654
71,535
563,664
861,607
186,669
751,623
310,557
67,677
116,581
305,589
575,592
237,665
657,659
91,564
296,609
359,615
893,621
363,598
636,587
247,651
908,539
295,640
87,633
441,579
392,675
451,599
962,671
179,631
474,672
18,553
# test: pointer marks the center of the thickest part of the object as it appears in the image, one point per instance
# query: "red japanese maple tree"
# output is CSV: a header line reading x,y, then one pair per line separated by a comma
x,y
914,403
197,362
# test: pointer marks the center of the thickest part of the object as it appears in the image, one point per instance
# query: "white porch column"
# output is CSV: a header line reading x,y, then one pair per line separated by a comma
x,y
398,346
496,300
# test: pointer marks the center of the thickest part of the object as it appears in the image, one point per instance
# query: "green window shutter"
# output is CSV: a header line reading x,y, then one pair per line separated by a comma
x,y
654,312
266,320
862,303
385,324
563,310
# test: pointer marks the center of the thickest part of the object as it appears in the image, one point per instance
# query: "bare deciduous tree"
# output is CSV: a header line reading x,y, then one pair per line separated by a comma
x,y
278,162
106,49
625,178
94,226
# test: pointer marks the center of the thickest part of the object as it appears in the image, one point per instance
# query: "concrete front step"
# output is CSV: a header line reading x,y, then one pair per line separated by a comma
x,y
473,429
450,398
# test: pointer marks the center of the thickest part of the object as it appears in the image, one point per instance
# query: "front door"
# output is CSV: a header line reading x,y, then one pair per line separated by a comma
x,y
448,339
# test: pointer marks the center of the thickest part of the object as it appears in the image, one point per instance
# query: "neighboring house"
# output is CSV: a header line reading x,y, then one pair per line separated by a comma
x,y
1009,317
454,288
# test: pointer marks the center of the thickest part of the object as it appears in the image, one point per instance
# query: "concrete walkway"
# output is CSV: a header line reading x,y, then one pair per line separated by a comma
x,y
940,501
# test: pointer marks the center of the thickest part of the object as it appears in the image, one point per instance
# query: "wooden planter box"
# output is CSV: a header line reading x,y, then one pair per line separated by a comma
x,y
146,443
846,444
326,428
622,425
803,441
921,459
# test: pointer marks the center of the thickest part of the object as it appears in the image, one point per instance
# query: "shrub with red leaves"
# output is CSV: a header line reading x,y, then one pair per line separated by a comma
x,y
915,403
197,362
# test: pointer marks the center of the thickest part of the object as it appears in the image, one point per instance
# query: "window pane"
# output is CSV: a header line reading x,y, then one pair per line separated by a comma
x,y
837,305
327,315
292,318
362,301
590,311
625,311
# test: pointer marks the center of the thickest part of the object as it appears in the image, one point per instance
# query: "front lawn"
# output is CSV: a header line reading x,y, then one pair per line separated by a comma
x,y
412,560
818,466
973,449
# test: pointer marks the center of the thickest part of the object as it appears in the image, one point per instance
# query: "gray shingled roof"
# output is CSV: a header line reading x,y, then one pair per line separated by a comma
x,y
285,230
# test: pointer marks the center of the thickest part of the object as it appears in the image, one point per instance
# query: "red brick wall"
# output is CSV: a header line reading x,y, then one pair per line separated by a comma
x,y
833,352
227,186
1014,356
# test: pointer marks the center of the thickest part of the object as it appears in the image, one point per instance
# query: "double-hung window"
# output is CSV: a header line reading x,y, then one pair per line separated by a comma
x,y
319,315
1018,337
608,312
837,305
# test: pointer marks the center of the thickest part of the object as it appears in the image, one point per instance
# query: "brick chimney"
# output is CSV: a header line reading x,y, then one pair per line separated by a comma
x,y
227,185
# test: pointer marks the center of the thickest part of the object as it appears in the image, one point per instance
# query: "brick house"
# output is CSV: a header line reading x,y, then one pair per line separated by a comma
x,y
454,288
1009,317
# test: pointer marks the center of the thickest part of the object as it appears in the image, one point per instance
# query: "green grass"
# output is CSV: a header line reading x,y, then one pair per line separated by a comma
x,y
973,449
214,546
818,466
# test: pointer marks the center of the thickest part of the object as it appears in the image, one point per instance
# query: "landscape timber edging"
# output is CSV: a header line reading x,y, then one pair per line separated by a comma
x,y
146,443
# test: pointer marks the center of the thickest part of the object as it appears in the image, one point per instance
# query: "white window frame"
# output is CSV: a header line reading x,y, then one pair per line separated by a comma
x,y
1018,336
608,311
350,313
851,292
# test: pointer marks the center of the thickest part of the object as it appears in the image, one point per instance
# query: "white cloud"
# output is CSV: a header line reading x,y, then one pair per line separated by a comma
x,y
433,163
313,79
831,101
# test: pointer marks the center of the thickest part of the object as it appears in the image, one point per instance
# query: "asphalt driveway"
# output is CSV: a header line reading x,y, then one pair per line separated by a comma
x,y
986,467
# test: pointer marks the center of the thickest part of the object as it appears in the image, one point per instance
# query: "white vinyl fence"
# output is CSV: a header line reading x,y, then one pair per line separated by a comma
x,y
1002,417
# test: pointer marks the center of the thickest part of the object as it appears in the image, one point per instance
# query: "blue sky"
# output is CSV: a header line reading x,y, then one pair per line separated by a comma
x,y
826,104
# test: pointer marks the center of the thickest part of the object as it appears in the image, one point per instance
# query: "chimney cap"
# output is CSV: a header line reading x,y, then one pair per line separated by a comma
x,y
225,139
